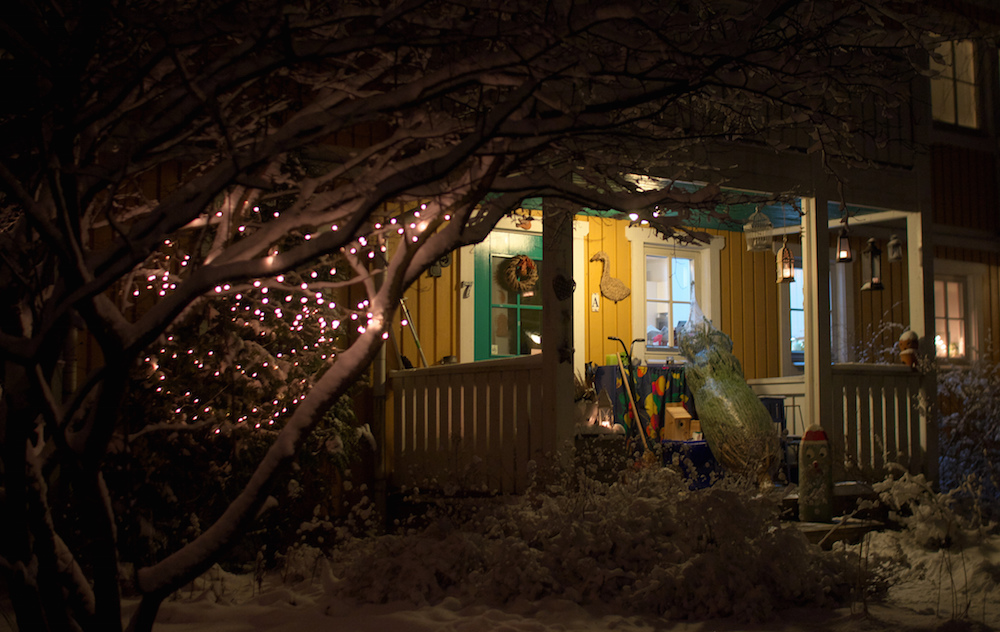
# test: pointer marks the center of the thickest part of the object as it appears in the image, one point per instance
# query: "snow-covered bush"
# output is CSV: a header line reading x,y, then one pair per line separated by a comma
x,y
933,519
186,479
646,544
970,431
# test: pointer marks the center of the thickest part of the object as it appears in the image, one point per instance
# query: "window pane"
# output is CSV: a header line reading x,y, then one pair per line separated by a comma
x,y
965,67
939,300
682,313
941,337
956,338
798,330
943,99
534,295
500,295
947,60
657,278
796,296
503,326
531,330
682,276
965,104
954,294
657,324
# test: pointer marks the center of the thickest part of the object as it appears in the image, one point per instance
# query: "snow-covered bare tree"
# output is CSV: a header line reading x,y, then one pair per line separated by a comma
x,y
220,148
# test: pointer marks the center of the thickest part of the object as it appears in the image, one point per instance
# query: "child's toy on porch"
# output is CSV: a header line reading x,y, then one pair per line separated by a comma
x,y
736,425
815,477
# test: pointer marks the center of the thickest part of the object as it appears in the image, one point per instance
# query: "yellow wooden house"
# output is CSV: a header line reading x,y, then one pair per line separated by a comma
x,y
491,391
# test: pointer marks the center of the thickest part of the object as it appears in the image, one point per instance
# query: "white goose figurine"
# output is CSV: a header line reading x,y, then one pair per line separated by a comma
x,y
612,289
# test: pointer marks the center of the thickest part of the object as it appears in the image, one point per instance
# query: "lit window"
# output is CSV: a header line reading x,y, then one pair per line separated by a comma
x,y
668,297
663,302
949,318
797,316
953,88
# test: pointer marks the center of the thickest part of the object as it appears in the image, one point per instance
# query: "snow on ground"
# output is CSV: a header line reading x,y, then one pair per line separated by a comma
x,y
639,556
644,555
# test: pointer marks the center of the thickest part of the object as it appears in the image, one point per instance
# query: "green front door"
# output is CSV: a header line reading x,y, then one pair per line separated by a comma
x,y
508,315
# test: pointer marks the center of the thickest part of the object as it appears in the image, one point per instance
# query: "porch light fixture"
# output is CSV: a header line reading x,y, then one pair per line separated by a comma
x,y
895,249
844,254
871,267
786,263
757,231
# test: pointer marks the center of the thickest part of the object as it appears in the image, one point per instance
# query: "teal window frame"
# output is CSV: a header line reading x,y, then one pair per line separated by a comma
x,y
507,245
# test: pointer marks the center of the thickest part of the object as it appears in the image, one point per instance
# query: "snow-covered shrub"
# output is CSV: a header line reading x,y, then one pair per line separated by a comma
x,y
645,544
969,435
932,519
944,551
171,482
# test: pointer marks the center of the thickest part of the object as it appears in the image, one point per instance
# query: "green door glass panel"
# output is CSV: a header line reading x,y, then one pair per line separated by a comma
x,y
507,323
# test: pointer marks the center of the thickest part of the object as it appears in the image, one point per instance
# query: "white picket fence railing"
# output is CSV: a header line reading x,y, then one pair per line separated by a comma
x,y
478,426
877,417
470,426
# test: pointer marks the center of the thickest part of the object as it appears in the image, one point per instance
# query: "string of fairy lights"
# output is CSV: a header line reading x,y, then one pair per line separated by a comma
x,y
275,335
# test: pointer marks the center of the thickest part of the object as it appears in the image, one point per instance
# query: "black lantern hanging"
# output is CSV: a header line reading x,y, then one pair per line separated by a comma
x,y
871,267
844,254
786,263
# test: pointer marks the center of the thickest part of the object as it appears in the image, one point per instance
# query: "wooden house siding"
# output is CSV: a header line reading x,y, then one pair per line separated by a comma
x,y
433,303
879,316
750,307
613,319
964,185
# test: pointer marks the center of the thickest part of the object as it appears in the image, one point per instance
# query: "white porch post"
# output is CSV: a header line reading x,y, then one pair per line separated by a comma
x,y
816,282
557,324
920,272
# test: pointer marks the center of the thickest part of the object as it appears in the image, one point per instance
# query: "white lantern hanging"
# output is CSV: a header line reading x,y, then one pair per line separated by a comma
x,y
758,232
895,248
786,263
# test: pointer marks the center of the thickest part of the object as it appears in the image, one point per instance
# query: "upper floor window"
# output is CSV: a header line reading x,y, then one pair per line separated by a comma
x,y
953,88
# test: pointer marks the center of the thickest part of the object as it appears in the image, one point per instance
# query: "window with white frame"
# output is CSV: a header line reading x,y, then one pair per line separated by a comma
x,y
791,298
662,294
950,321
669,295
953,87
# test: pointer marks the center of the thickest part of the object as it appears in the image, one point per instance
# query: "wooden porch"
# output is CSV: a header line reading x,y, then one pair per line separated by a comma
x,y
480,426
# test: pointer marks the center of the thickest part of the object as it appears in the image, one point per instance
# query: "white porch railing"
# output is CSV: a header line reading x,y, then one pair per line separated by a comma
x,y
877,417
474,426
792,389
